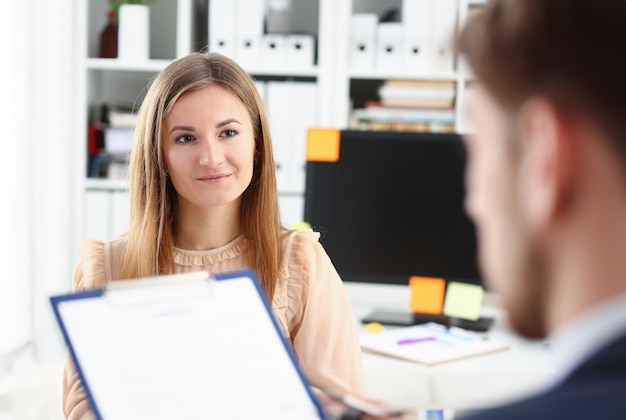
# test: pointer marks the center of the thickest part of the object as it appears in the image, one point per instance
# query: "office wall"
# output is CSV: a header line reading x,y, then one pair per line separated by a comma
x,y
52,156
35,164
15,179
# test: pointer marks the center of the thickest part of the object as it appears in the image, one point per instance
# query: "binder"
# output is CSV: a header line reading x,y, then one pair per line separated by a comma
x,y
248,32
279,110
120,213
363,34
189,345
97,214
389,47
442,35
300,51
416,16
247,50
251,17
274,50
304,103
221,27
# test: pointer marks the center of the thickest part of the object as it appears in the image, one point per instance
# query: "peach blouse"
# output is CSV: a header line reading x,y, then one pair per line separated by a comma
x,y
310,305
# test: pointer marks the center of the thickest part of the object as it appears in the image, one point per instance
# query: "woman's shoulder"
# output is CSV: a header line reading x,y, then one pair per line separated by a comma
x,y
99,262
299,248
299,241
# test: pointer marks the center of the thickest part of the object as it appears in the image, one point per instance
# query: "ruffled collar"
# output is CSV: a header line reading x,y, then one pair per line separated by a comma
x,y
212,256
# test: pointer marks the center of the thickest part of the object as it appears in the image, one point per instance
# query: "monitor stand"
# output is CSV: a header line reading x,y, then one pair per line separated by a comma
x,y
405,319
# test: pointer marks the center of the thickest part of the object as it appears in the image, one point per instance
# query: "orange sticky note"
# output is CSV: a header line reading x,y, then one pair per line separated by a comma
x,y
323,145
426,294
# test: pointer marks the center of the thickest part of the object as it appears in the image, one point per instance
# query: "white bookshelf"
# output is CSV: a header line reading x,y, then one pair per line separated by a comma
x,y
174,34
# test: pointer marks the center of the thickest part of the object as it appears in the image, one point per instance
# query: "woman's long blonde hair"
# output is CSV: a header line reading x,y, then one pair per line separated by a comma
x,y
153,200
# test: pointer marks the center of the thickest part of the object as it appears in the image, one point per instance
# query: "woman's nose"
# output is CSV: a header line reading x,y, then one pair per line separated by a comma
x,y
211,152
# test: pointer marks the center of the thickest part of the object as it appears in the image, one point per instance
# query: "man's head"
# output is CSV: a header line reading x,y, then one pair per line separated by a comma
x,y
550,119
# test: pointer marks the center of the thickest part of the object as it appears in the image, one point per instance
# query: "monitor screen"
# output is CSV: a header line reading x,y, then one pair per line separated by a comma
x,y
392,207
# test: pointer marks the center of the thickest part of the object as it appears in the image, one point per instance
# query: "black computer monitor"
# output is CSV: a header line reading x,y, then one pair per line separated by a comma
x,y
391,207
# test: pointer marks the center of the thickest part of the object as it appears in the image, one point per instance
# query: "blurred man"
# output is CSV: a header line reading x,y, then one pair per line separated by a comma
x,y
546,183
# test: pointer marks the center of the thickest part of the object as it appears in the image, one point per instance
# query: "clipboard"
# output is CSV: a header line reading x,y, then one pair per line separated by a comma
x,y
184,346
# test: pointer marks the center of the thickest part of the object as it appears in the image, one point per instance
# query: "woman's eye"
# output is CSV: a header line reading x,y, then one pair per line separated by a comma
x,y
184,139
229,133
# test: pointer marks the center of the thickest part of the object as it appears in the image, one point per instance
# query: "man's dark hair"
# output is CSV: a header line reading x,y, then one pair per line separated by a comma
x,y
572,52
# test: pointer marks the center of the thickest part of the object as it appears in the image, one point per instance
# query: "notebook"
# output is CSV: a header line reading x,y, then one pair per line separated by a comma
x,y
429,343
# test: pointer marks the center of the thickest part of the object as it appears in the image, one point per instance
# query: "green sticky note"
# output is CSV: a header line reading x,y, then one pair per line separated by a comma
x,y
300,226
463,300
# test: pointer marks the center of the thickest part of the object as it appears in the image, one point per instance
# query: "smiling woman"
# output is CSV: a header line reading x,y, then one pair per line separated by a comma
x,y
209,156
203,197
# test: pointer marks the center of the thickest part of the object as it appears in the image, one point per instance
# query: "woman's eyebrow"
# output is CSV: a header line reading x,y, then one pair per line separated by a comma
x,y
227,121
182,128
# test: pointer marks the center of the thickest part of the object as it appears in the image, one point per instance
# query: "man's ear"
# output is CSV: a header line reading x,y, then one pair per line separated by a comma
x,y
548,161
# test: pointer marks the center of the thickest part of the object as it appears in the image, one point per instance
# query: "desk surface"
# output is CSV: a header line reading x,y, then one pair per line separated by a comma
x,y
469,383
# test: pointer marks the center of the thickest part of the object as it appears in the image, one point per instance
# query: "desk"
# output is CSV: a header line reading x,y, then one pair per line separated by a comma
x,y
470,383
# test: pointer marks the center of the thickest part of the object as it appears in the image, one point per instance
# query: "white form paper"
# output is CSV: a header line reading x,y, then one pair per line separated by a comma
x,y
211,354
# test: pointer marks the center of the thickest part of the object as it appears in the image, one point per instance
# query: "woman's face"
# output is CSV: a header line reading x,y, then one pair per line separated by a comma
x,y
209,147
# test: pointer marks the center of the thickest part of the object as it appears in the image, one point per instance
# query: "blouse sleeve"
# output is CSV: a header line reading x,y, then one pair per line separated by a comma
x,y
323,328
88,274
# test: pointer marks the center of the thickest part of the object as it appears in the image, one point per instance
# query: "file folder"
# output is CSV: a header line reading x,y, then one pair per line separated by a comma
x,y
221,27
417,18
304,100
97,214
190,345
444,16
363,34
274,50
300,51
389,47
248,32
279,110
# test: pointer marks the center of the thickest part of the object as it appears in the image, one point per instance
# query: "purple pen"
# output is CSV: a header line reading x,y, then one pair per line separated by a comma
x,y
416,340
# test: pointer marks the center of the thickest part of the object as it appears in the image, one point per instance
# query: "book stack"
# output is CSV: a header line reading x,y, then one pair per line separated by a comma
x,y
413,105
110,141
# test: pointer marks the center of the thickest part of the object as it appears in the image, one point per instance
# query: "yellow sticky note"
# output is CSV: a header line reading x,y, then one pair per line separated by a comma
x,y
463,300
426,294
323,145
374,327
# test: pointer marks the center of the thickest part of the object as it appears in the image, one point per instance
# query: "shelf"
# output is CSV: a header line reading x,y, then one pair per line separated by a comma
x,y
286,72
123,65
385,74
106,184
114,64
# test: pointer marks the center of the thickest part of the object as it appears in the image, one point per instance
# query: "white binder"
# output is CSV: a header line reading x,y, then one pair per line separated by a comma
x,y
279,110
186,346
274,50
248,31
304,116
221,27
97,214
363,34
416,16
120,213
389,45
300,51
444,15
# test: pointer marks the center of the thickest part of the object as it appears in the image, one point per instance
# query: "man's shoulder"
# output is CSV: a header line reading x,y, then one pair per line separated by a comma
x,y
597,389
